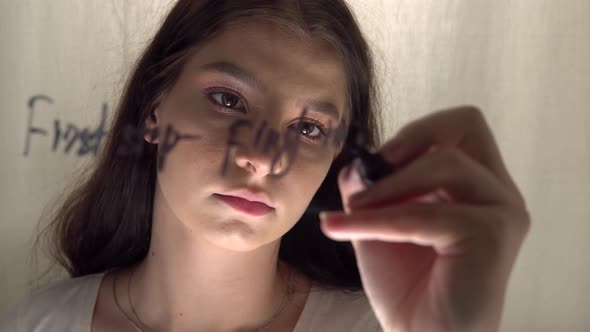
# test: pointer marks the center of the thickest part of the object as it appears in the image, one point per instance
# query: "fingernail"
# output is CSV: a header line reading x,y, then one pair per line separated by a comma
x,y
347,171
351,171
354,176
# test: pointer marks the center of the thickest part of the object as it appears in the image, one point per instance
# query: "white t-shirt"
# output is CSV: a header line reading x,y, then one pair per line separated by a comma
x,y
67,305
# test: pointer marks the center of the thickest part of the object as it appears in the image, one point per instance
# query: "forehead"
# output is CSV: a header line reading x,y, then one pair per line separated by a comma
x,y
284,61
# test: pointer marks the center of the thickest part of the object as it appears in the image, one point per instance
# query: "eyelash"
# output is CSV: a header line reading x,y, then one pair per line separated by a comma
x,y
218,90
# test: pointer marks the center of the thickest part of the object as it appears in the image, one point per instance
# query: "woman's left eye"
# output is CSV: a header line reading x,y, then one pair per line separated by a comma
x,y
226,100
313,130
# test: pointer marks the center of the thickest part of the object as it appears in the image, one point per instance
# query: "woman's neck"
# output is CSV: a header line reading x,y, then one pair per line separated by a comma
x,y
184,292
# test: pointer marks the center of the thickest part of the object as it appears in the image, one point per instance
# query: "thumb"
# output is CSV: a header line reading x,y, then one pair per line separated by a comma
x,y
349,183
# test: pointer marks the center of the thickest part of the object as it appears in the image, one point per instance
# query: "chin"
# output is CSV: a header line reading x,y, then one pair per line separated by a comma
x,y
236,234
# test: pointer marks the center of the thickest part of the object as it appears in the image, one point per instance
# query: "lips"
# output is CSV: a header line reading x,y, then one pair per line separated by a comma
x,y
250,195
247,201
252,208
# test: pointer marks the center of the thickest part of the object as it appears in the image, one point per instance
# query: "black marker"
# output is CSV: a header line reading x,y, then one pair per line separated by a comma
x,y
372,166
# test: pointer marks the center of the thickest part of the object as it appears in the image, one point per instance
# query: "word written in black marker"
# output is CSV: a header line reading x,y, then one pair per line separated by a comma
x,y
89,141
133,138
290,145
133,142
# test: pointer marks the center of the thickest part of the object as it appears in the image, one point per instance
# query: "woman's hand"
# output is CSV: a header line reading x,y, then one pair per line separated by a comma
x,y
435,242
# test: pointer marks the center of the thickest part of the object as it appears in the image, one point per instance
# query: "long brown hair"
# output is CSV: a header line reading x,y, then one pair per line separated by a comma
x,y
105,222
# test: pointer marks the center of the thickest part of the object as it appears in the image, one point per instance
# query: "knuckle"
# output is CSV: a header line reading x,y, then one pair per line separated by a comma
x,y
525,218
404,132
472,111
471,114
502,220
496,228
448,160
509,222
448,156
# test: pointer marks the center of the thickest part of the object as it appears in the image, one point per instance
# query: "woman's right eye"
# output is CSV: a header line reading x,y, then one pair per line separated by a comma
x,y
226,101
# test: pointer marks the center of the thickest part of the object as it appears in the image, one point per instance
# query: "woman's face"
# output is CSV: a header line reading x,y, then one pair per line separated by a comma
x,y
256,79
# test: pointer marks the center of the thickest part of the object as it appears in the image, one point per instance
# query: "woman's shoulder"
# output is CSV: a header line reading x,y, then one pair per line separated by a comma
x,y
60,305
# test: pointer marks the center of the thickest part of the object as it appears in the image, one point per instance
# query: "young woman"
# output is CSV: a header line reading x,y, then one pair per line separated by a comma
x,y
197,215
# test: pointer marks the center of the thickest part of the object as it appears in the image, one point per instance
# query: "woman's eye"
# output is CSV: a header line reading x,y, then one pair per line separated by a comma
x,y
226,100
312,131
309,128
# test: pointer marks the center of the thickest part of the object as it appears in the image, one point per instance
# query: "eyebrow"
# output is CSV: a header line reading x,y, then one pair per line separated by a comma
x,y
320,106
231,69
245,76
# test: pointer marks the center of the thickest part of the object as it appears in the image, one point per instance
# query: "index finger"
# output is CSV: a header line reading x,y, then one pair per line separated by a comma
x,y
463,127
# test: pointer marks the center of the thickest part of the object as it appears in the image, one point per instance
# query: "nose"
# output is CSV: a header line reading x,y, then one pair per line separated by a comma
x,y
257,162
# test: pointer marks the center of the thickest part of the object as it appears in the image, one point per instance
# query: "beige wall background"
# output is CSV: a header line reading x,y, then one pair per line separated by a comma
x,y
524,63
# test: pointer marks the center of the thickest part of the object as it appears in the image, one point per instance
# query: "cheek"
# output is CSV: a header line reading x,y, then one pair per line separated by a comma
x,y
199,135
189,163
190,175
314,160
305,177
